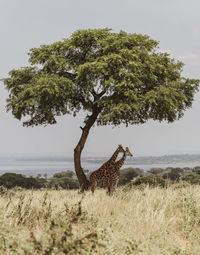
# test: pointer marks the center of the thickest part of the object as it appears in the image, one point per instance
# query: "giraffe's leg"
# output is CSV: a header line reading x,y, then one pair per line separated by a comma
x,y
111,188
113,185
106,185
93,185
116,182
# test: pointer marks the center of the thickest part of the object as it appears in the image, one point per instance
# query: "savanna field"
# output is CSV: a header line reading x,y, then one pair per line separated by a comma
x,y
139,220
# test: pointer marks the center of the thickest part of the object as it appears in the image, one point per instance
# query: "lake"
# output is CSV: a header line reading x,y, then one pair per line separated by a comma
x,y
32,166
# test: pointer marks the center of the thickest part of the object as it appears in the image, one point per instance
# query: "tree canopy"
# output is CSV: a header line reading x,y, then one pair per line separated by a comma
x,y
123,75
115,77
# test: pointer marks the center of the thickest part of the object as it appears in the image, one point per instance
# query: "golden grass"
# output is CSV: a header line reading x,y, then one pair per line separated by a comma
x,y
146,221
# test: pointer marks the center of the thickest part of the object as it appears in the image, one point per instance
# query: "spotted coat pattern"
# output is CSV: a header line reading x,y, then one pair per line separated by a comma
x,y
102,174
109,172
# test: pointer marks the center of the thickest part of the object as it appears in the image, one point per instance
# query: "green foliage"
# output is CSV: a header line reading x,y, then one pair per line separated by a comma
x,y
10,180
174,174
151,180
120,76
196,169
192,178
156,170
68,173
63,182
128,174
128,177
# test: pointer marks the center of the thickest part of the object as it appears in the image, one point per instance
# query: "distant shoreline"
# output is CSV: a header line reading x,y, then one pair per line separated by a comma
x,y
52,164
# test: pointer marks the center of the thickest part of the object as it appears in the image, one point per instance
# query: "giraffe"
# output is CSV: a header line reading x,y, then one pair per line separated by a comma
x,y
113,177
114,156
99,174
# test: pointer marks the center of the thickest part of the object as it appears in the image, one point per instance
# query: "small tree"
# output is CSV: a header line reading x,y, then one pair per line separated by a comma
x,y
128,174
155,170
115,77
67,173
151,180
174,174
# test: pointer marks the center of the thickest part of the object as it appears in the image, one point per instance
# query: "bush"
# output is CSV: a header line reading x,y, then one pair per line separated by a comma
x,y
156,170
128,174
11,180
151,180
64,183
67,173
192,178
196,169
65,180
174,174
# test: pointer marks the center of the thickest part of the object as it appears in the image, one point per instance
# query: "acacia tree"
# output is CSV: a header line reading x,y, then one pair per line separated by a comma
x,y
115,77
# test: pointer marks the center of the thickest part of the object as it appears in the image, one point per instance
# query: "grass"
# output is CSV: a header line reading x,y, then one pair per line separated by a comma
x,y
142,221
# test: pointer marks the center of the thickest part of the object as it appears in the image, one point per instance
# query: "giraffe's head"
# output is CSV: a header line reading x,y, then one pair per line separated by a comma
x,y
128,153
120,148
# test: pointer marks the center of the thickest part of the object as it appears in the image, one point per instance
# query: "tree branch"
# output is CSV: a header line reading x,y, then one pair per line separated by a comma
x,y
68,75
96,95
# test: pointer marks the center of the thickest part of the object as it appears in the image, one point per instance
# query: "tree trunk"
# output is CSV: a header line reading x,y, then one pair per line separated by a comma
x,y
83,182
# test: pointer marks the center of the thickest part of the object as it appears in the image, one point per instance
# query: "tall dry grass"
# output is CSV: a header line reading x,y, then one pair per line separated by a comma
x,y
144,220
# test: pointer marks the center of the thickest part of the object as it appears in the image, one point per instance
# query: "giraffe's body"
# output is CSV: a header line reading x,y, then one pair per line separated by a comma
x,y
114,172
102,173
109,172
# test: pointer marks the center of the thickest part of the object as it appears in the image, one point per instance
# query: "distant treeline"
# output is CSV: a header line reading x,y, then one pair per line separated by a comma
x,y
128,176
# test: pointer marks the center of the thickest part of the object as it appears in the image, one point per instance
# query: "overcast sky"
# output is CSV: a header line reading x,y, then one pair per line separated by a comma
x,y
27,24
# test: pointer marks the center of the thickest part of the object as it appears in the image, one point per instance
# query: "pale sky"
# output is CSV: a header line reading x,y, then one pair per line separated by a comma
x,y
25,24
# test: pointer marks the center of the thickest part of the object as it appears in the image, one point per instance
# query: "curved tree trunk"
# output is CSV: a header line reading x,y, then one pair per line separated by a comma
x,y
83,182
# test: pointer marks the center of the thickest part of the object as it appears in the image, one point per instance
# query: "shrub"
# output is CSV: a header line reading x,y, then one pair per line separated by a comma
x,y
174,174
67,173
128,174
196,169
151,180
11,180
64,183
192,178
156,170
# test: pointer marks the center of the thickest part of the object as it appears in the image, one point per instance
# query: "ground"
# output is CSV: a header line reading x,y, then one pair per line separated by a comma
x,y
133,221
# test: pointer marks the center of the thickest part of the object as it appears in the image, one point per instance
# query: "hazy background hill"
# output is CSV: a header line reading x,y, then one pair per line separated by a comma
x,y
51,164
165,159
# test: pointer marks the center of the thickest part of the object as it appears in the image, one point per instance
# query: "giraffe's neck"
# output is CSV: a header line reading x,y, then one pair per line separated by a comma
x,y
120,162
114,156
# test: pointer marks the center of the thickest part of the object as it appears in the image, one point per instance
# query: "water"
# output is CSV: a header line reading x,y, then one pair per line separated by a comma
x,y
40,165
51,165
